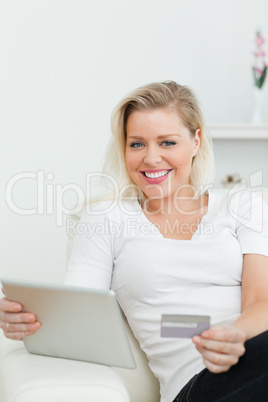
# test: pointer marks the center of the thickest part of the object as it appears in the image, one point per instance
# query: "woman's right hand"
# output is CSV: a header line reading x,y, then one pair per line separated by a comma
x,y
15,323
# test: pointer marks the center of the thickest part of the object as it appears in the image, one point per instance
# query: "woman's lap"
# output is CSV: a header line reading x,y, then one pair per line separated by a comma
x,y
246,381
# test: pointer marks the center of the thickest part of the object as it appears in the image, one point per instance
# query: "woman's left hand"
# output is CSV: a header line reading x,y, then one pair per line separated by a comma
x,y
221,347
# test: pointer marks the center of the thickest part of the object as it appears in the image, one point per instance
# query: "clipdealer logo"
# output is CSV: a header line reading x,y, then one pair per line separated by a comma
x,y
250,212
50,198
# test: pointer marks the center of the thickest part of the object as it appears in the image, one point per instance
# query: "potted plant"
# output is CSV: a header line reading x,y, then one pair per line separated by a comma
x,y
259,75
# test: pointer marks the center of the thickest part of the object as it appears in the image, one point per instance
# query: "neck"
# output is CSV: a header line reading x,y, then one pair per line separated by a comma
x,y
181,203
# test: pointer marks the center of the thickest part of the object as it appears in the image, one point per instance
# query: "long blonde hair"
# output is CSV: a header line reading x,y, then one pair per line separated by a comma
x,y
153,96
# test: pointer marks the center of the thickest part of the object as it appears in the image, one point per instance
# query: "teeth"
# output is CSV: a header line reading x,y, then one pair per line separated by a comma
x,y
156,175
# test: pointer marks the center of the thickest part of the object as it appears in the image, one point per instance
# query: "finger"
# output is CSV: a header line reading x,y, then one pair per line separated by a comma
x,y
224,334
10,306
219,359
237,349
18,336
22,327
16,318
214,368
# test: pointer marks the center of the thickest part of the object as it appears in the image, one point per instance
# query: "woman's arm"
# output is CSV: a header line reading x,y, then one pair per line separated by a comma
x,y
222,346
253,319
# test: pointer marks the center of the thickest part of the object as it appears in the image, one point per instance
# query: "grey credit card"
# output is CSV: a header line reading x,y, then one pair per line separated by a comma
x,y
183,326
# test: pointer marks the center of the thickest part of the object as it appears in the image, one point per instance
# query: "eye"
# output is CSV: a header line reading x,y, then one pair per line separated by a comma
x,y
168,143
136,145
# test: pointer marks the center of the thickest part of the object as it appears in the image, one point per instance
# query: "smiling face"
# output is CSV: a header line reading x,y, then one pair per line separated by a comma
x,y
159,151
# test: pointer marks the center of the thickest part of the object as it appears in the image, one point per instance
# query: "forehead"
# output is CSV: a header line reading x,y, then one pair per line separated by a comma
x,y
158,121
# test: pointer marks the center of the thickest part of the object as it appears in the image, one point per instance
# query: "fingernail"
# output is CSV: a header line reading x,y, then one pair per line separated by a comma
x,y
16,307
196,339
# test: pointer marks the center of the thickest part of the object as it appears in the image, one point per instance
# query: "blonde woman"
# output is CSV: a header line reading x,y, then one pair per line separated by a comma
x,y
169,244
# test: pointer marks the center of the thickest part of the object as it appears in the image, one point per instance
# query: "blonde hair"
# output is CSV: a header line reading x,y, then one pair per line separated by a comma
x,y
159,95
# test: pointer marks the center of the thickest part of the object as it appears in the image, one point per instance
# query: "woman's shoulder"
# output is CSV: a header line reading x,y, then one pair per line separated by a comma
x,y
234,195
237,202
113,209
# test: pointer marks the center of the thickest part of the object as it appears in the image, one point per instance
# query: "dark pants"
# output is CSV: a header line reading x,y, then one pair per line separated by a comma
x,y
247,381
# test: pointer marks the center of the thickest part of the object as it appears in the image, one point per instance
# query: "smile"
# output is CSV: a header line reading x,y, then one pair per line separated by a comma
x,y
157,174
155,177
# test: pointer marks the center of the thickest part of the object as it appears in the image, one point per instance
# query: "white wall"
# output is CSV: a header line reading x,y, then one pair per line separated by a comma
x,y
64,65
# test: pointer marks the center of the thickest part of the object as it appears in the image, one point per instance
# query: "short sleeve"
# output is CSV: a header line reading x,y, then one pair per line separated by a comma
x,y
250,213
91,261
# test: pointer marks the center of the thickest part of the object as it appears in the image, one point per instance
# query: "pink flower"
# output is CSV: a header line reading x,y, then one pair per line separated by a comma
x,y
260,39
259,53
258,70
260,67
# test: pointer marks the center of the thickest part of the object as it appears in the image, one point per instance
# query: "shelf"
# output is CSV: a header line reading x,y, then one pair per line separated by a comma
x,y
238,131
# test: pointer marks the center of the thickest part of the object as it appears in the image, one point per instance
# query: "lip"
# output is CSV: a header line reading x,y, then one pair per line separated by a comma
x,y
153,170
158,180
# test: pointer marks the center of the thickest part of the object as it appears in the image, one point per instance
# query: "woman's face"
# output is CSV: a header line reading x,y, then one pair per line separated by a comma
x,y
159,151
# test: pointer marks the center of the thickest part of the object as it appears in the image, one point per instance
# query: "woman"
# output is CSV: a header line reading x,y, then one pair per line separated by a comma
x,y
170,245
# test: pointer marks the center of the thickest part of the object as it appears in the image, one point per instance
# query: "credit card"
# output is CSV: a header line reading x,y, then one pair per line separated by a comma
x,y
183,326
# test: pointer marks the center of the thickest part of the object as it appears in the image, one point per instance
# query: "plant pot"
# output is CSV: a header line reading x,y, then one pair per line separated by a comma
x,y
258,97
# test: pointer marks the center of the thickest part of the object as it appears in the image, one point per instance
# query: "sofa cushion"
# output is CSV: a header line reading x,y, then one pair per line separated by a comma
x,y
29,378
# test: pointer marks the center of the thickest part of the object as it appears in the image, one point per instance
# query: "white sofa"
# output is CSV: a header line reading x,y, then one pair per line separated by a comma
x,y
30,378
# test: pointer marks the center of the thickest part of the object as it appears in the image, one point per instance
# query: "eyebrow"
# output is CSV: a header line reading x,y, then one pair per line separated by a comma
x,y
158,137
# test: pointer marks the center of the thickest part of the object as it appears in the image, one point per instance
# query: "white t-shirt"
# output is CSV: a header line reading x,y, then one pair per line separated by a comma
x,y
118,247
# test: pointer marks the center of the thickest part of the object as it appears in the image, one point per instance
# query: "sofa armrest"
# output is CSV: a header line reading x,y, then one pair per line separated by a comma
x,y
26,377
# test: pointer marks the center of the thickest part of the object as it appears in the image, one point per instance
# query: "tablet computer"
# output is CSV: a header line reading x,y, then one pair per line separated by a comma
x,y
77,323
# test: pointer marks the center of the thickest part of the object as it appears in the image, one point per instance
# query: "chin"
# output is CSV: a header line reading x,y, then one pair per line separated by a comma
x,y
156,195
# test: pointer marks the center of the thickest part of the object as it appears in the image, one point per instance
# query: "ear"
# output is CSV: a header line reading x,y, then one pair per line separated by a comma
x,y
197,141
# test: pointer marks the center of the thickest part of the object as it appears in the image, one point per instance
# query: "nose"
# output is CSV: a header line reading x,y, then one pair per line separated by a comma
x,y
152,156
